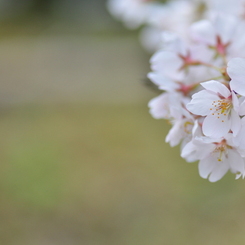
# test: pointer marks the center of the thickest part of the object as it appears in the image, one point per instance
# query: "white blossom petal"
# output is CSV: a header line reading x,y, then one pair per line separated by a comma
x,y
235,122
225,27
197,149
201,102
163,82
242,107
203,147
216,127
203,31
217,88
219,170
205,167
239,140
175,134
235,102
189,152
168,64
159,106
236,162
236,71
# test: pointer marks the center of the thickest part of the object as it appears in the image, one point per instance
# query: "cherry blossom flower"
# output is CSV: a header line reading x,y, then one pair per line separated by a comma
x,y
181,129
189,151
216,156
175,16
166,105
181,63
220,107
223,33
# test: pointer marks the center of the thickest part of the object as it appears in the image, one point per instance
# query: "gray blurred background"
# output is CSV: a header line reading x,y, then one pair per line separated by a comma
x,y
82,161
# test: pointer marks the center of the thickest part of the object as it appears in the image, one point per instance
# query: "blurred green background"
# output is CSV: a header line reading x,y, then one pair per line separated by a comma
x,y
82,161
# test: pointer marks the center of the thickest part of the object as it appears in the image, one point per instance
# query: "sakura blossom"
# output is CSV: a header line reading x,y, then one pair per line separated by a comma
x,y
221,33
220,107
180,62
198,64
216,156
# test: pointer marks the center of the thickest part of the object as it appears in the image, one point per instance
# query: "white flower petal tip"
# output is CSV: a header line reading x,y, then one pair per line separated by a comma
x,y
240,175
236,71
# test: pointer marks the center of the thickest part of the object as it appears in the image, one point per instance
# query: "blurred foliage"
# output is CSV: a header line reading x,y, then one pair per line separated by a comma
x,y
103,175
35,17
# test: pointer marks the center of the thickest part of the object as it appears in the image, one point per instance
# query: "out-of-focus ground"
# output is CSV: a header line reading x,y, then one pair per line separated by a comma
x,y
82,161
72,68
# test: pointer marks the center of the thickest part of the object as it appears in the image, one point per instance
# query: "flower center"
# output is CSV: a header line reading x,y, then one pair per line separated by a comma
x,y
221,149
221,108
188,127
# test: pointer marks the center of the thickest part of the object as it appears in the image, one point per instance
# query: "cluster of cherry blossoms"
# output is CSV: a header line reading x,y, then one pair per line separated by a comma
x,y
199,64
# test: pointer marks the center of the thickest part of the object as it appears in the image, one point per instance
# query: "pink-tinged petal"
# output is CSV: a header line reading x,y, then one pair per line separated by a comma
x,y
203,31
189,150
207,140
238,86
168,64
235,122
197,150
191,158
175,134
206,166
203,149
236,71
217,88
159,106
235,161
216,127
187,114
229,139
201,102
163,82
225,26
173,43
201,53
236,68
219,170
